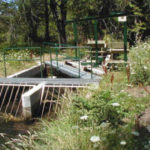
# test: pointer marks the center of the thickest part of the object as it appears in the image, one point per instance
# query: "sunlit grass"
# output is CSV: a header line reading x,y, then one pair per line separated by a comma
x,y
13,62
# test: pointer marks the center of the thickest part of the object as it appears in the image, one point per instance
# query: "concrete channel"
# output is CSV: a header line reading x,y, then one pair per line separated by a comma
x,y
25,94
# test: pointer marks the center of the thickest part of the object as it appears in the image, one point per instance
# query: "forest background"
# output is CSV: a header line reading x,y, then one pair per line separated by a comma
x,y
31,22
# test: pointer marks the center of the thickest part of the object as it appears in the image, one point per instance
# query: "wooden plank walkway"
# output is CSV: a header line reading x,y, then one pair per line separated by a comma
x,y
71,71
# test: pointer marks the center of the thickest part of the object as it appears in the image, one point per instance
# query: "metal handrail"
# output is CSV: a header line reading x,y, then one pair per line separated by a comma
x,y
56,50
21,48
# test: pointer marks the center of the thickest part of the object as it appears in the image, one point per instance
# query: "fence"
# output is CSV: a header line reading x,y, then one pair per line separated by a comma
x,y
78,55
16,55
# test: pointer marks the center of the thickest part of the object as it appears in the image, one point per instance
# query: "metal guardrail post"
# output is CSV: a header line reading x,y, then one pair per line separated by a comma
x,y
125,41
22,48
41,68
56,49
43,49
5,70
96,39
75,37
51,69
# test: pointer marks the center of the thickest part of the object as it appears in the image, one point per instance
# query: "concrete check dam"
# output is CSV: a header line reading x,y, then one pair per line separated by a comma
x,y
25,94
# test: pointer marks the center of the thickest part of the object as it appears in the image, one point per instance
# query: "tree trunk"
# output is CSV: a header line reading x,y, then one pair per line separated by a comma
x,y
31,22
47,38
63,19
60,19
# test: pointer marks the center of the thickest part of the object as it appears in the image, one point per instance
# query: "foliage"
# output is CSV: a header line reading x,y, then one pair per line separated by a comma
x,y
32,22
138,25
139,58
107,113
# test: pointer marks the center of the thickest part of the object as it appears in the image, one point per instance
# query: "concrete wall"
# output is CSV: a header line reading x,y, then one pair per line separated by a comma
x,y
31,101
31,72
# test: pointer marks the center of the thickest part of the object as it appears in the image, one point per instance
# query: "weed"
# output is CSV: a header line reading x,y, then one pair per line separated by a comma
x,y
139,57
92,120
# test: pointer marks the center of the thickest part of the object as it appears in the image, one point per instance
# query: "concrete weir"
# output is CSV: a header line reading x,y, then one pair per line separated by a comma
x,y
31,99
24,94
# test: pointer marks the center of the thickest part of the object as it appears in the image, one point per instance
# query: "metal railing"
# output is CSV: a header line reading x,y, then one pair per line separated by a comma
x,y
59,54
26,56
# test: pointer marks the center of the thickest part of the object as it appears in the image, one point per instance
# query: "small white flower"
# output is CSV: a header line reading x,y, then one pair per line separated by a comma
x,y
115,104
135,133
145,67
95,139
132,73
123,143
85,117
122,91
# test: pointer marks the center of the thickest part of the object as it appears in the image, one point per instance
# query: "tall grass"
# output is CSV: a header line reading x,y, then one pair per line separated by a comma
x,y
139,58
107,113
13,61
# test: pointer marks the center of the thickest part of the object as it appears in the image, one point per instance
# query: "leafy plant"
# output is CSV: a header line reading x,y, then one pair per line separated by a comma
x,y
139,58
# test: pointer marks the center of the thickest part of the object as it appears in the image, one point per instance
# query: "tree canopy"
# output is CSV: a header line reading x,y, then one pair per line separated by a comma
x,y
34,21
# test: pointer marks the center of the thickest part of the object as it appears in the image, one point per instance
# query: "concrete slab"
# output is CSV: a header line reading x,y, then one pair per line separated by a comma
x,y
31,100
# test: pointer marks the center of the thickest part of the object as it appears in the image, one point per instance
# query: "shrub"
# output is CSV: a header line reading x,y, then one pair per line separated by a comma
x,y
139,58
99,108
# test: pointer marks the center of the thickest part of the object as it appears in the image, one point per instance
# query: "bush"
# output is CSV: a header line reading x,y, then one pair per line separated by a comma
x,y
139,58
99,108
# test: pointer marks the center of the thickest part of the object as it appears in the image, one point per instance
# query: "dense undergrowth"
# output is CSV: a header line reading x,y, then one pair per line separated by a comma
x,y
101,119
139,57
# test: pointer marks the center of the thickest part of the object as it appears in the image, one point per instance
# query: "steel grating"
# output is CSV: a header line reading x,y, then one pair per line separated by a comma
x,y
52,97
49,81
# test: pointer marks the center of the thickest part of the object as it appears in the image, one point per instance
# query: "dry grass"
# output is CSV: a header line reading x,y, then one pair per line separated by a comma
x,y
14,67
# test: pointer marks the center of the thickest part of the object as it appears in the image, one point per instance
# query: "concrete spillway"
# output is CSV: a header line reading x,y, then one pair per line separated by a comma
x,y
28,101
21,95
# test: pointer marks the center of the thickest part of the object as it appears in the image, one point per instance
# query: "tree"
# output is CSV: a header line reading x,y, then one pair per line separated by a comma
x,y
59,11
7,25
139,23
47,37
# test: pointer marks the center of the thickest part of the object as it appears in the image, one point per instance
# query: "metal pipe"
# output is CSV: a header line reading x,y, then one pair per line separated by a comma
x,y
51,69
96,39
4,98
9,99
75,37
125,41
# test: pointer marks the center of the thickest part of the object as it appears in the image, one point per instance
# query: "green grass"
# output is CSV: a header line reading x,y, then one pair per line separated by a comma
x,y
112,124
13,63
139,58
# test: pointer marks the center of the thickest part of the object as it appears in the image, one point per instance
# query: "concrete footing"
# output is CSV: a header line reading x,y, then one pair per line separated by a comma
x,y
31,101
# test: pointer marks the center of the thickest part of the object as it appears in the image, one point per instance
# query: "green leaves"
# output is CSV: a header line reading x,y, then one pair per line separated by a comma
x,y
140,63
